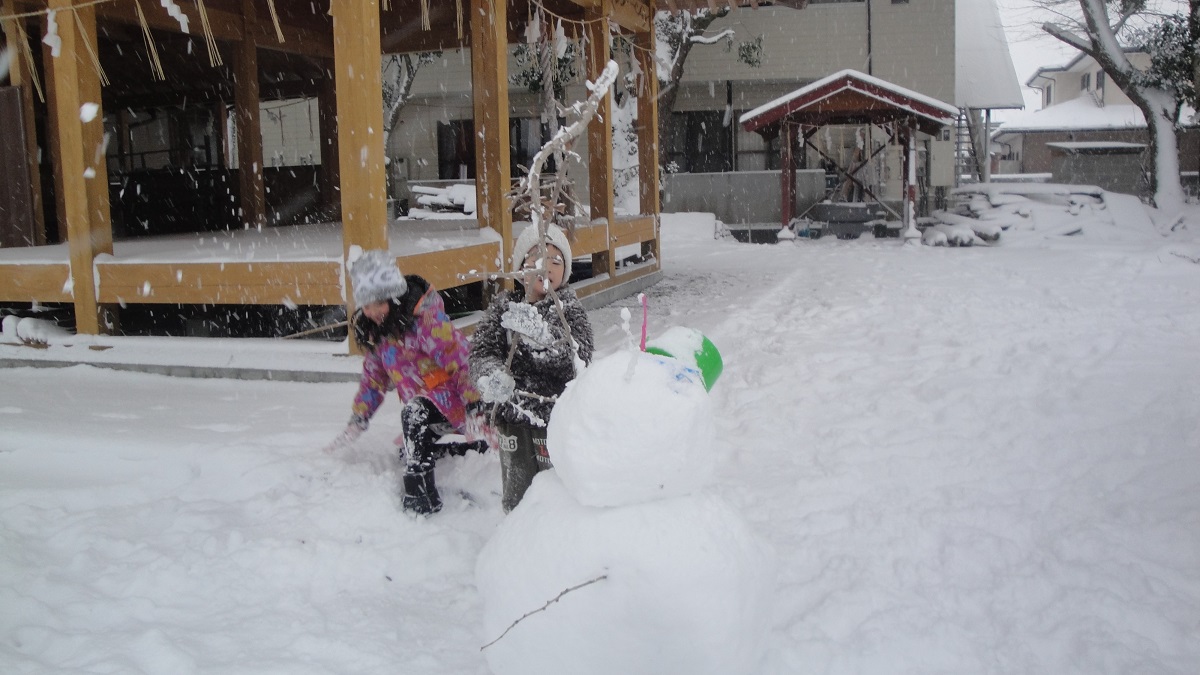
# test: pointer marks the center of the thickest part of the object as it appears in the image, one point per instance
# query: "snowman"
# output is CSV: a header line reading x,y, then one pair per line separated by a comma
x,y
617,561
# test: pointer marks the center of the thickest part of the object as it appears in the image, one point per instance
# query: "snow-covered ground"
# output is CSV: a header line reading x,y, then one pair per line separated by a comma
x,y
967,460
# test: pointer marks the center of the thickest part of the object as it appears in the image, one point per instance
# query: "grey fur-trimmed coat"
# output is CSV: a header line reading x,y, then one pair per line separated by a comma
x,y
545,372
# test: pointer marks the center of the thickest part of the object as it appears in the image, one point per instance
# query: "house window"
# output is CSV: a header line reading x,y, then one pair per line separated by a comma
x,y
699,142
899,2
756,154
1100,83
527,135
456,149
1048,96
1085,82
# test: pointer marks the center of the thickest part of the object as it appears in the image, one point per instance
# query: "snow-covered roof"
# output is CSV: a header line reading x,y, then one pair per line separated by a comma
x,y
984,76
893,95
1046,71
1076,114
1096,146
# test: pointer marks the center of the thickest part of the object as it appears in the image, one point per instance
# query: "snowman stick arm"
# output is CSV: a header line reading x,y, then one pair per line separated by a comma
x,y
543,608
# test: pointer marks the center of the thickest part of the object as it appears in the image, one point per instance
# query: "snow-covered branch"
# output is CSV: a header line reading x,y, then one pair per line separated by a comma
x,y
726,34
1064,35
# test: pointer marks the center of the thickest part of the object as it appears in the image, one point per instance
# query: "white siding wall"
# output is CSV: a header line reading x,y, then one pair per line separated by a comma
x,y
913,45
1066,84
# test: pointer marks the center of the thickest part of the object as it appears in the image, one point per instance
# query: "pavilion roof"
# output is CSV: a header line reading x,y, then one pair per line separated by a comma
x,y
851,97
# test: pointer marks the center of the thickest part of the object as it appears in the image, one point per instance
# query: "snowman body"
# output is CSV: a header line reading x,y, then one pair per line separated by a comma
x,y
617,561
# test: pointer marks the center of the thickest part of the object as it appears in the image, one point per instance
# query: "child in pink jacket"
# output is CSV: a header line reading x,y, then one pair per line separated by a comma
x,y
412,347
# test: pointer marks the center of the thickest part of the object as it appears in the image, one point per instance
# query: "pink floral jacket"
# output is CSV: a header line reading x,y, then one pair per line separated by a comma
x,y
429,360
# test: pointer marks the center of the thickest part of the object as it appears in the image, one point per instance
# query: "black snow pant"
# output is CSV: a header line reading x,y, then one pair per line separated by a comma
x,y
522,455
424,425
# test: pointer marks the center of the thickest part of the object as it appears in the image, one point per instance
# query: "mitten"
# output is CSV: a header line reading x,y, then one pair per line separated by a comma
x,y
524,320
496,387
353,430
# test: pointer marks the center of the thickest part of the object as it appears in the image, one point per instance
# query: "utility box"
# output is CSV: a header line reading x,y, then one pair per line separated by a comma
x,y
941,163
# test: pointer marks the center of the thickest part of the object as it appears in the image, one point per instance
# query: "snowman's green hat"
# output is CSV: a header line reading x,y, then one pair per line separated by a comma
x,y
692,348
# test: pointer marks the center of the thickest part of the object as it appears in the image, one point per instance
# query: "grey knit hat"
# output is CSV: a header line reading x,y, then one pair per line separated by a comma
x,y
528,241
376,278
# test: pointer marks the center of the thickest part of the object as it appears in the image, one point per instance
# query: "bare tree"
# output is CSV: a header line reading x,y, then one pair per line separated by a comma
x,y
399,72
1194,33
676,33
1095,33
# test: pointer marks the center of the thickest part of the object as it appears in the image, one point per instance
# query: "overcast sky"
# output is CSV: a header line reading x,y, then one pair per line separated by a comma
x,y
1031,47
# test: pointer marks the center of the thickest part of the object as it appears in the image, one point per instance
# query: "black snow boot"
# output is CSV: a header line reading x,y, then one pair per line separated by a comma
x,y
420,494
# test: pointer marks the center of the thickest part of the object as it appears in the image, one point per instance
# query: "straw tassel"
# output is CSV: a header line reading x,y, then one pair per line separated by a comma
x,y
459,18
91,52
156,68
214,54
275,20
29,67
425,15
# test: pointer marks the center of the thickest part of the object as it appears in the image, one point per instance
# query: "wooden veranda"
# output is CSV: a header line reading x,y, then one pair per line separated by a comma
x,y
330,50
852,98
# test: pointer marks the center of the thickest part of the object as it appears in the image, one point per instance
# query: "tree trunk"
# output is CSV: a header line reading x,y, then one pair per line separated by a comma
x,y
668,90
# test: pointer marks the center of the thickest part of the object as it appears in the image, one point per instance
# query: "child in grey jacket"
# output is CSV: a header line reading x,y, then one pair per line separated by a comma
x,y
522,357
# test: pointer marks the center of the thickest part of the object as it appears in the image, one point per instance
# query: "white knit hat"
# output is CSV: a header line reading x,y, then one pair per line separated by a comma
x,y
528,241
376,278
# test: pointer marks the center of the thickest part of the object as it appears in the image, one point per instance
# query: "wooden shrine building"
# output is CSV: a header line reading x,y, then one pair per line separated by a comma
x,y
74,61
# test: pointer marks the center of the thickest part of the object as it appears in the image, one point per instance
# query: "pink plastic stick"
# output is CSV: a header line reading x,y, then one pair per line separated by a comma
x,y
645,317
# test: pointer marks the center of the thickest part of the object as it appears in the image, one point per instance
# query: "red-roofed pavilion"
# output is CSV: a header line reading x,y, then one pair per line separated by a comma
x,y
849,97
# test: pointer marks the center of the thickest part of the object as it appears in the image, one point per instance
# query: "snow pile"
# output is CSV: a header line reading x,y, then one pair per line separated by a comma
x,y
30,329
451,201
1047,209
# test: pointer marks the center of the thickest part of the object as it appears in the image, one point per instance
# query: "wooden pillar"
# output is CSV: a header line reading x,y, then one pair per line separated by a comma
x,y
489,86
600,141
81,174
788,171
359,94
360,123
21,75
327,121
647,138
252,196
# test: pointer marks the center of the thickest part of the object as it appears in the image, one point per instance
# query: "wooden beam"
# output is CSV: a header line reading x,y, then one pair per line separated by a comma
x,y
20,75
599,133
441,268
629,231
238,283
226,25
647,125
24,282
71,78
252,197
636,16
489,85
